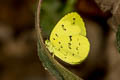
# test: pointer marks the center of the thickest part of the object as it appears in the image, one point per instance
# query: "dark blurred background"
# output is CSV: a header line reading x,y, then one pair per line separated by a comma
x,y
18,50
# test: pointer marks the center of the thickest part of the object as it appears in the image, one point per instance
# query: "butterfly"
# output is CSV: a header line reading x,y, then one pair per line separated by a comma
x,y
68,39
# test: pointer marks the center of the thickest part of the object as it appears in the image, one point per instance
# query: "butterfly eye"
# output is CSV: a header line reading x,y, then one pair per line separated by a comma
x,y
64,29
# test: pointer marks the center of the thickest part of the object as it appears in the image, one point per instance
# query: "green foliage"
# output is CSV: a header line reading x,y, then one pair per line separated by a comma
x,y
52,11
118,38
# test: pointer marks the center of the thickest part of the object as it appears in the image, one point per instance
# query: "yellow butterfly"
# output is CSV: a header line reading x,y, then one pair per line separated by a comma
x,y
68,39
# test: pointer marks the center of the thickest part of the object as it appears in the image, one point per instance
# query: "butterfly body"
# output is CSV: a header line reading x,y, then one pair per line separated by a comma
x,y
68,39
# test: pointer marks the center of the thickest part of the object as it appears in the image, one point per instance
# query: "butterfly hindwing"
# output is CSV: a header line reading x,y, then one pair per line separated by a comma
x,y
71,51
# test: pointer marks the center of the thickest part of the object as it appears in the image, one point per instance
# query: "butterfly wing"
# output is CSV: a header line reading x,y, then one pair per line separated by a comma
x,y
70,24
71,51
68,39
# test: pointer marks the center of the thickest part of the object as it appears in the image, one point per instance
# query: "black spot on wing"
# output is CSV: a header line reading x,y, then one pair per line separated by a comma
x,y
59,42
79,44
53,38
63,27
69,44
69,47
73,18
70,38
61,46
76,48
73,54
73,21
56,35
